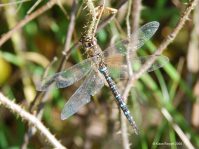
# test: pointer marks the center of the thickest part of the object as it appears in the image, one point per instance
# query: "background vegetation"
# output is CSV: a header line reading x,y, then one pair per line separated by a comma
x,y
164,103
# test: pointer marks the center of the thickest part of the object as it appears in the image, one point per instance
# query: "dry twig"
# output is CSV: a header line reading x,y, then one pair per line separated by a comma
x,y
41,97
13,3
69,33
135,8
28,18
16,109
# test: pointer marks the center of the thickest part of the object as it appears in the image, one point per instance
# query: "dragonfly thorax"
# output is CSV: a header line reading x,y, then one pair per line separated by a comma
x,y
90,45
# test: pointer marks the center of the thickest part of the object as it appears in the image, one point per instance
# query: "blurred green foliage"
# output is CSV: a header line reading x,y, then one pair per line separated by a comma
x,y
96,124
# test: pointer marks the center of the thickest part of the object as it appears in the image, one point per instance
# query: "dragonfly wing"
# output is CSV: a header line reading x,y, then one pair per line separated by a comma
x,y
161,60
96,84
136,40
120,70
90,86
66,78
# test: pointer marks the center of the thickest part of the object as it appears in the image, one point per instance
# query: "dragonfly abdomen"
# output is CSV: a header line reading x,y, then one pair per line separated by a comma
x,y
118,97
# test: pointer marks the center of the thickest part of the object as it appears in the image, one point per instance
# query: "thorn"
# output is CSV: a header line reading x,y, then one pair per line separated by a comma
x,y
85,7
118,132
189,19
87,14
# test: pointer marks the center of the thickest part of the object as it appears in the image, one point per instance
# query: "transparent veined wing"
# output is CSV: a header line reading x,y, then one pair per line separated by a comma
x,y
119,68
91,85
136,40
66,78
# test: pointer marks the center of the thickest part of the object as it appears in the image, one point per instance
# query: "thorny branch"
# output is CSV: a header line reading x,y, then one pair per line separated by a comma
x,y
90,27
16,109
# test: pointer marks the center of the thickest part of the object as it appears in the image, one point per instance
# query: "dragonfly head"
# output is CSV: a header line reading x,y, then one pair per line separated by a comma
x,y
88,42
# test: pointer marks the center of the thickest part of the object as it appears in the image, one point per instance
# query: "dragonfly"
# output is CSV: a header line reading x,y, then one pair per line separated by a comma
x,y
103,67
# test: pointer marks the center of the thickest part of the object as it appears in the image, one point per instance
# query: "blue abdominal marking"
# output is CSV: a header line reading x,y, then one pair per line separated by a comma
x,y
118,97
